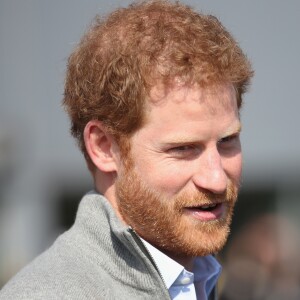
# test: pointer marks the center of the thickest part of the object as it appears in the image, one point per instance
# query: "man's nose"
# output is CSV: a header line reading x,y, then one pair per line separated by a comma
x,y
210,174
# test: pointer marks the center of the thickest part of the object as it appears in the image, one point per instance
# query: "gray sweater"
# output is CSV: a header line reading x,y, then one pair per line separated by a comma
x,y
98,258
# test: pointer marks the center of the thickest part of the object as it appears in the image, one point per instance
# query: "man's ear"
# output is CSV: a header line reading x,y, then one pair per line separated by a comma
x,y
101,146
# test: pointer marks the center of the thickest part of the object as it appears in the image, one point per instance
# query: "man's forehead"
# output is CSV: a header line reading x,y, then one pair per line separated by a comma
x,y
211,96
182,114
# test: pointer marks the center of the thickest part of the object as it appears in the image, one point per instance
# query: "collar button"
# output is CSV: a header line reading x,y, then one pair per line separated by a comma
x,y
185,280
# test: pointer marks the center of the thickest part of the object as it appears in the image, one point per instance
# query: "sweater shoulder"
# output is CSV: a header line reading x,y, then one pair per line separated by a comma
x,y
58,273
95,259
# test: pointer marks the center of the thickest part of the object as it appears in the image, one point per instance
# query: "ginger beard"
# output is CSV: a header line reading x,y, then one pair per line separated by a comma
x,y
164,222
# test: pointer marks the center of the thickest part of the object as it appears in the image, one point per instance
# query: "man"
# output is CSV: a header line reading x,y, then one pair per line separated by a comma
x,y
153,92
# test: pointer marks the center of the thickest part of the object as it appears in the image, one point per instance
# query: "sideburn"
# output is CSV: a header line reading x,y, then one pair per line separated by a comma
x,y
124,145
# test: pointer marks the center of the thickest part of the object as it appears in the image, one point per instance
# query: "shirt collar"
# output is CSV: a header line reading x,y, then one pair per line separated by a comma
x,y
206,269
165,264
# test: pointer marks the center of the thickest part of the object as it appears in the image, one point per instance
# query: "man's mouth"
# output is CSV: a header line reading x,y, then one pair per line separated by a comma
x,y
207,212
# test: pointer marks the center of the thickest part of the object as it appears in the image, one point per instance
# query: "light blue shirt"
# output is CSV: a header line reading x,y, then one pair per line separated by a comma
x,y
182,284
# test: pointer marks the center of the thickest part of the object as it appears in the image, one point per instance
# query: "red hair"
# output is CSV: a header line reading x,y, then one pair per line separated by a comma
x,y
121,57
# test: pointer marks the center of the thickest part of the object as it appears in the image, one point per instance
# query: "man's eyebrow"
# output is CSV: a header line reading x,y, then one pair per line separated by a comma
x,y
184,140
181,142
234,129
180,139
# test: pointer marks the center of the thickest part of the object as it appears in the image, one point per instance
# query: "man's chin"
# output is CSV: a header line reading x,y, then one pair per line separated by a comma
x,y
199,243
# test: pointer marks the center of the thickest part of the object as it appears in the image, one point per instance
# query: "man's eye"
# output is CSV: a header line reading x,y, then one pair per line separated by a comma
x,y
229,140
181,148
183,151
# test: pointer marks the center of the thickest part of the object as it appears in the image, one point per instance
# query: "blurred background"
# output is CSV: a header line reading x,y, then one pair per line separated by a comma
x,y
43,175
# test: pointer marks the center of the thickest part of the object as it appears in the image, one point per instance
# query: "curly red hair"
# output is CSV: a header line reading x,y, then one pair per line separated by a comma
x,y
119,59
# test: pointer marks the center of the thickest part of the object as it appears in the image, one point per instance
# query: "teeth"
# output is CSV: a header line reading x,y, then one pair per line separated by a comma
x,y
208,206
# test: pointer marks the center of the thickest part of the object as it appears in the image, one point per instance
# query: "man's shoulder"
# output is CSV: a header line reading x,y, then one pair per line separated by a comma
x,y
56,274
70,269
92,260
61,274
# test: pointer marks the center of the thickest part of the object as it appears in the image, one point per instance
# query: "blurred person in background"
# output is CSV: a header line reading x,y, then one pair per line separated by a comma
x,y
153,92
262,261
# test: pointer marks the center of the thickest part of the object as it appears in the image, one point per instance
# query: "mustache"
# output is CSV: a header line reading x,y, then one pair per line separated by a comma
x,y
183,200
201,198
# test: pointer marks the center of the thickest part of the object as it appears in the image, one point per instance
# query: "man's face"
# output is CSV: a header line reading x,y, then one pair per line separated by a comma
x,y
180,188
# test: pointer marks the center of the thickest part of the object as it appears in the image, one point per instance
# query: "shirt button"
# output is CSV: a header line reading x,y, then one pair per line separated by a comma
x,y
185,280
